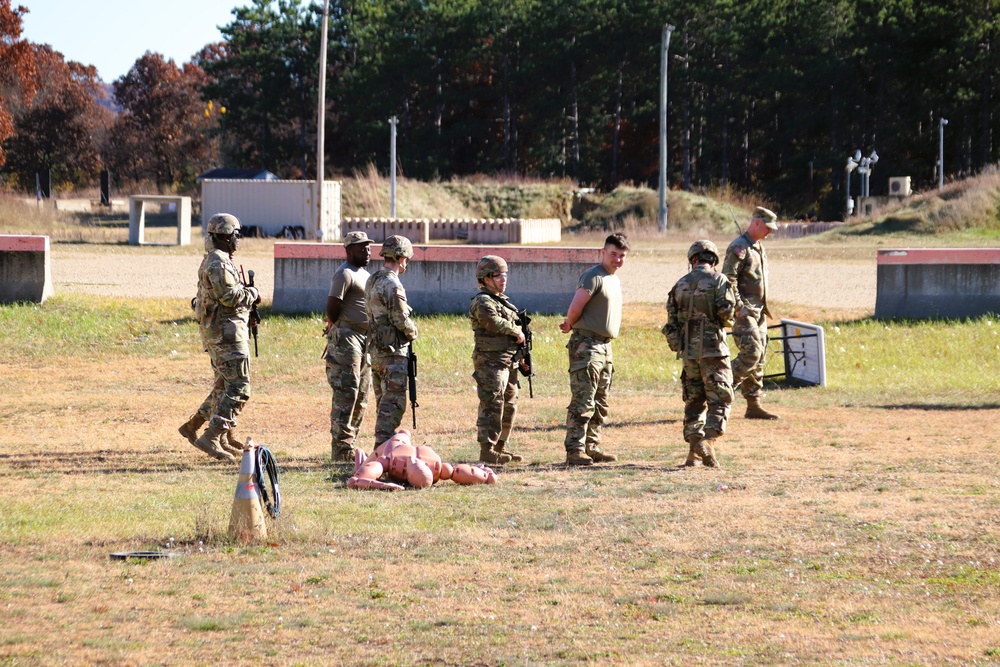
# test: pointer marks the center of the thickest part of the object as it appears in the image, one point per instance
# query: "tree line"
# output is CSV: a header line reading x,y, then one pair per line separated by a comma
x,y
768,96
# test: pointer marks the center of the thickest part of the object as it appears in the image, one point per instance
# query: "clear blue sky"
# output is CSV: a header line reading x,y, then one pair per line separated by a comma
x,y
113,34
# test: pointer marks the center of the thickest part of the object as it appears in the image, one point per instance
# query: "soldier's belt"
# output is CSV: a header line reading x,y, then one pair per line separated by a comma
x,y
355,327
578,333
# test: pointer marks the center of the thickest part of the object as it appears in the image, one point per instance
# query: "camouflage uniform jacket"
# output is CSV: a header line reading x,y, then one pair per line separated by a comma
x,y
746,267
223,306
494,323
390,327
699,308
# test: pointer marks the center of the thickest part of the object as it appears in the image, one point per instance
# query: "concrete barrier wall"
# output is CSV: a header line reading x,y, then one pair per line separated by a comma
x,y
25,269
485,231
377,229
449,229
796,230
439,279
493,231
540,230
937,283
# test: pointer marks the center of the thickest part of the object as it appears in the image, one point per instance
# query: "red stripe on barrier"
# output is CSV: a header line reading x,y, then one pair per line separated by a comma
x,y
444,253
17,243
940,256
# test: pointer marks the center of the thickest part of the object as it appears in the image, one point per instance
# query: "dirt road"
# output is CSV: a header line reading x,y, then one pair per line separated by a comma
x,y
797,275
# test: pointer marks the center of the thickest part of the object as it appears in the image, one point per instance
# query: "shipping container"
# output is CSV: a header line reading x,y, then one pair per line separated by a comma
x,y
275,208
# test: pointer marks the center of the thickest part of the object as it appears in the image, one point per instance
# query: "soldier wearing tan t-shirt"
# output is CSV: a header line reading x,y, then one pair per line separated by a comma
x,y
594,318
348,366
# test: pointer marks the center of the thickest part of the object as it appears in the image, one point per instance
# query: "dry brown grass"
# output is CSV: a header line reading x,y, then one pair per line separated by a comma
x,y
842,534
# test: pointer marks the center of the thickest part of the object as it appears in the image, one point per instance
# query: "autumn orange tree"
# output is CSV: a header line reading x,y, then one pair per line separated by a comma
x,y
64,125
161,133
17,69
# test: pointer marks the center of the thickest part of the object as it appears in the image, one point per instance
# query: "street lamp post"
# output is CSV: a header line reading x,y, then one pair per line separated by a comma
x,y
852,163
941,124
865,168
664,48
872,159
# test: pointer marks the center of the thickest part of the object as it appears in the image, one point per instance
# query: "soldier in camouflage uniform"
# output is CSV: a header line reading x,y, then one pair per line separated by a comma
x,y
497,332
699,308
746,268
222,308
390,331
348,367
594,318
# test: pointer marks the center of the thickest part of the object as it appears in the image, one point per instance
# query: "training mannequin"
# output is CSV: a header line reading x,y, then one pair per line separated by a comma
x,y
419,467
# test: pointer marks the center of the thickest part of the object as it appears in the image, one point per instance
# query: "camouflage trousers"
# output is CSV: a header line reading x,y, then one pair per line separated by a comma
x,y
497,387
389,382
349,373
750,334
230,390
708,394
590,371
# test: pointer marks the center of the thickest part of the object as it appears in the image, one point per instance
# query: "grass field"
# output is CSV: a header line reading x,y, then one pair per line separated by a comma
x,y
861,529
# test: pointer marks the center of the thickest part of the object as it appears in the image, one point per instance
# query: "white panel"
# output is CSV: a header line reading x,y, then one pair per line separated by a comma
x,y
805,352
272,205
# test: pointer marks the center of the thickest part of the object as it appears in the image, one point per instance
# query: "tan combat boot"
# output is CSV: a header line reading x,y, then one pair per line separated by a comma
x,y
754,411
501,448
343,454
210,443
692,457
190,428
577,457
706,449
231,444
597,456
488,455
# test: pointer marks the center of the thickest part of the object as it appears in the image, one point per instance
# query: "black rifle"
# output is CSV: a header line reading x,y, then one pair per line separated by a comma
x,y
523,355
254,320
411,377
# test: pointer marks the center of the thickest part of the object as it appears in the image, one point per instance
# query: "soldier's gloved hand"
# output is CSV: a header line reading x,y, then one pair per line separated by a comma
x,y
254,295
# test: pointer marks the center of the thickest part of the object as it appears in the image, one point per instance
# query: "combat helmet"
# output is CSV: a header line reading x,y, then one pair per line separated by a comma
x,y
699,247
395,247
223,223
489,265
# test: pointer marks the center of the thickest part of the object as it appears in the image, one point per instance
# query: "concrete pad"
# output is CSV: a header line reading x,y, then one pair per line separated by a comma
x,y
937,283
25,269
439,279
137,217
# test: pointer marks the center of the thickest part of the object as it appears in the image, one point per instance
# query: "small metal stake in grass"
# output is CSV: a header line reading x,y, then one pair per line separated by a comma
x,y
142,555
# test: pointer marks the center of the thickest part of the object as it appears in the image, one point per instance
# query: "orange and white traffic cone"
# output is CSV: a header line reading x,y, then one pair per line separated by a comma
x,y
246,523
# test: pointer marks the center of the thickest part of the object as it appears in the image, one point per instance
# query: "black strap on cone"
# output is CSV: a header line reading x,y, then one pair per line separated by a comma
x,y
266,461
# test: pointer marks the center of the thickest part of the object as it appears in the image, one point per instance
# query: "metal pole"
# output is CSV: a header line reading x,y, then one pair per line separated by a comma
x,y
321,119
847,184
941,123
392,167
661,221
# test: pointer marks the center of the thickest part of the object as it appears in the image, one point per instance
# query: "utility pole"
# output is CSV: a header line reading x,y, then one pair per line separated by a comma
x,y
664,49
321,119
392,167
941,123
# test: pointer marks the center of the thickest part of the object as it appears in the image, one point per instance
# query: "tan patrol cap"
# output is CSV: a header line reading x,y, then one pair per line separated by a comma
x,y
354,238
768,217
